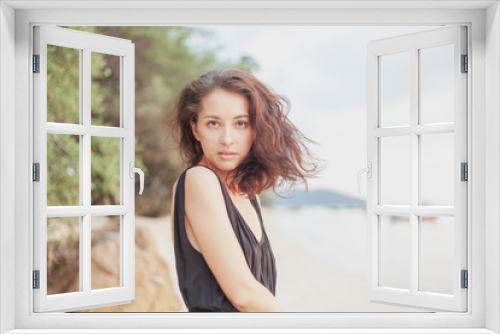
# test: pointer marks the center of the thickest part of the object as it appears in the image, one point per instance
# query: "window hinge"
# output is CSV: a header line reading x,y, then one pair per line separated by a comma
x,y
36,279
36,63
465,172
465,64
465,279
36,172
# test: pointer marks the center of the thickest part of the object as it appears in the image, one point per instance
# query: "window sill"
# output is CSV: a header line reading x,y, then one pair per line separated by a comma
x,y
257,331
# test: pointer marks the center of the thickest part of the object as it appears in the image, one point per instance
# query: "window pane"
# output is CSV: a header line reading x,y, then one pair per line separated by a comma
x,y
437,169
395,170
437,84
63,169
395,90
394,238
105,89
63,85
105,175
63,255
436,254
105,249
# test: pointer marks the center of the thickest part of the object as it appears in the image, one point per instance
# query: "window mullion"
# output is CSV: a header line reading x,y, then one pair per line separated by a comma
x,y
81,232
103,131
85,96
414,170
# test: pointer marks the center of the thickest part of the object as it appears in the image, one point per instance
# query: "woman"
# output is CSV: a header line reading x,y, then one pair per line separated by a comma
x,y
237,141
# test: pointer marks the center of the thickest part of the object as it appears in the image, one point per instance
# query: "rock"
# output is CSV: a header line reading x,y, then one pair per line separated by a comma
x,y
154,288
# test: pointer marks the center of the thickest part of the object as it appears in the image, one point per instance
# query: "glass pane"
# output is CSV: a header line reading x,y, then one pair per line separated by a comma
x,y
437,84
395,170
63,85
105,170
105,249
105,89
395,90
437,169
436,254
63,255
394,238
63,169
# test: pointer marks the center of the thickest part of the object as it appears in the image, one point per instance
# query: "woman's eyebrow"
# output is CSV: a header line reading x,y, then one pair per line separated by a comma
x,y
235,117
211,116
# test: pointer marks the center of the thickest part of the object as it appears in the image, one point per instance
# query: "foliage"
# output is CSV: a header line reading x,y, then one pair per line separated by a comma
x,y
165,61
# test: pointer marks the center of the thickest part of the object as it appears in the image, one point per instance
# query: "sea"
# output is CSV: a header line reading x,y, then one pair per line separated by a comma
x,y
326,250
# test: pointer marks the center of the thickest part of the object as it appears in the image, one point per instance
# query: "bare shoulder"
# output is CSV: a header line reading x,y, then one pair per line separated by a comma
x,y
196,176
201,180
199,172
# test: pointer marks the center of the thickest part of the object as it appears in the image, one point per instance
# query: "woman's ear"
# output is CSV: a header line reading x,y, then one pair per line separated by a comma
x,y
195,131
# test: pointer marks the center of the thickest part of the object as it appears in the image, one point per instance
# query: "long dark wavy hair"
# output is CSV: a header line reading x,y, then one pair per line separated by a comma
x,y
279,155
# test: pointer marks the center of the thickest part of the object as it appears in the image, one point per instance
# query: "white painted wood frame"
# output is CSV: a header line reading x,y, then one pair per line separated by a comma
x,y
85,43
7,167
483,21
413,44
289,320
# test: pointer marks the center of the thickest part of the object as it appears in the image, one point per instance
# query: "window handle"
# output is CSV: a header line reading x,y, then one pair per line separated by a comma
x,y
138,171
368,171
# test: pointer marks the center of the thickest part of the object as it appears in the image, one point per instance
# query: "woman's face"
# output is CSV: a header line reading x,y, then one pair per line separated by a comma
x,y
224,130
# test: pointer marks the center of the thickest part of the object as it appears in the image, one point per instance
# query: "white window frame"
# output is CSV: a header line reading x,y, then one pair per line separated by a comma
x,y
411,46
85,43
483,21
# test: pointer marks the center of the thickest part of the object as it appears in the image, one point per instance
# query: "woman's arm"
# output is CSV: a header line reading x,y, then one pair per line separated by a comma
x,y
207,214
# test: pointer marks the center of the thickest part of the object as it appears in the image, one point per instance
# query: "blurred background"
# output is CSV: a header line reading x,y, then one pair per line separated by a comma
x,y
318,237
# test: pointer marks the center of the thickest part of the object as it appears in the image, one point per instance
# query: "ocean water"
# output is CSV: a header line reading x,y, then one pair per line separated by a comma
x,y
329,234
336,243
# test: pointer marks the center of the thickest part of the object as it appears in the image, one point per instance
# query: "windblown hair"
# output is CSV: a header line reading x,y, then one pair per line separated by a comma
x,y
278,155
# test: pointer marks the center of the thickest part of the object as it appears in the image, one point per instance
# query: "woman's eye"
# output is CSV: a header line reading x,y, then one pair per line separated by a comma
x,y
212,123
242,124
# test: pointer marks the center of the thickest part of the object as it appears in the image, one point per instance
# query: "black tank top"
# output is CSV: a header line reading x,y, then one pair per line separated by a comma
x,y
199,288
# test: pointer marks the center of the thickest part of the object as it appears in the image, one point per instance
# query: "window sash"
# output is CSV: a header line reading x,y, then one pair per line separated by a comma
x,y
413,44
477,36
85,298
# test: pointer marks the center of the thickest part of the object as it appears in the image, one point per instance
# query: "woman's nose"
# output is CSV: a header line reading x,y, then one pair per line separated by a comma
x,y
227,136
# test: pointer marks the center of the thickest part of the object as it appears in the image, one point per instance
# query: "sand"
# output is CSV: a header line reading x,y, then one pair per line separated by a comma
x,y
305,283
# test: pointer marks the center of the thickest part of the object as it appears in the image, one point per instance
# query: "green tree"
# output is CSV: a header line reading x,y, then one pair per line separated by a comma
x,y
62,107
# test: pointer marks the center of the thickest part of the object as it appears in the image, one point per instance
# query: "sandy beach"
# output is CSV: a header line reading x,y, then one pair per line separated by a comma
x,y
306,282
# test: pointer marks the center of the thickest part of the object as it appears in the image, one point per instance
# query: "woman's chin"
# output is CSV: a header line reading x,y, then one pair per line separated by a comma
x,y
227,165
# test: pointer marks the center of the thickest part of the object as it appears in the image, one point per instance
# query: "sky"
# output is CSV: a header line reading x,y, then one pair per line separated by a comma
x,y
323,71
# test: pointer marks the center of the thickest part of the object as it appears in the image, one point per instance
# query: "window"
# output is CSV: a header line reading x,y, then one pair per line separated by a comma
x,y
428,140
482,221
74,131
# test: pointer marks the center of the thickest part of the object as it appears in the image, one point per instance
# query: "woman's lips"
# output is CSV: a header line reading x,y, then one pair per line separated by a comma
x,y
227,155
